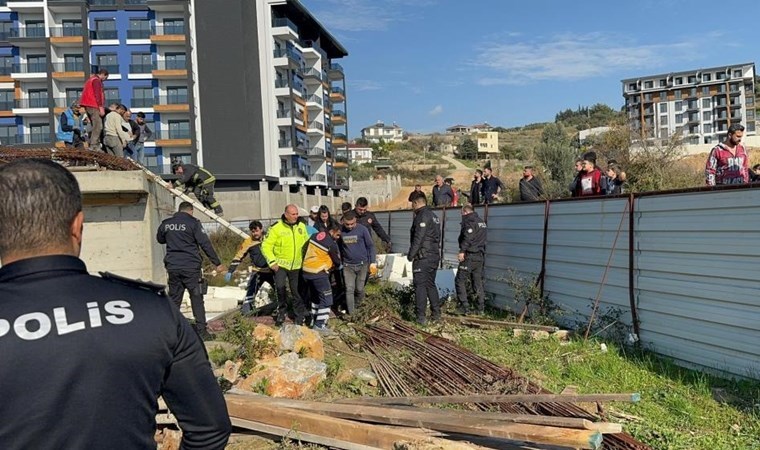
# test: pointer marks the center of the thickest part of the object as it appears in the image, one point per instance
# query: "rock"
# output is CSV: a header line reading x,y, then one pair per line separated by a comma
x,y
263,296
170,439
231,371
365,374
287,376
562,335
302,340
264,332
517,332
218,372
539,335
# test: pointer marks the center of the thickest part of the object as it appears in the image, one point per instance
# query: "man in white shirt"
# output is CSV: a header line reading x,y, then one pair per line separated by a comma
x,y
116,136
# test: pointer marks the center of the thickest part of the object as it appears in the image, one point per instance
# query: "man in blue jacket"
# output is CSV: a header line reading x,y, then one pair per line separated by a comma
x,y
358,251
70,126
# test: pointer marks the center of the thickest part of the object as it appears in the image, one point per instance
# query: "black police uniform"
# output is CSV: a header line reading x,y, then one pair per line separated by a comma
x,y
83,360
425,255
472,242
182,233
369,220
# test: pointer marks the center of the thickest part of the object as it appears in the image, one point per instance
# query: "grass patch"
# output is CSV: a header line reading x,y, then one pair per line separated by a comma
x,y
678,408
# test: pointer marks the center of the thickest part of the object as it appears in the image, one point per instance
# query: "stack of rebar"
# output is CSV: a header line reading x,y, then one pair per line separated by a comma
x,y
408,362
69,157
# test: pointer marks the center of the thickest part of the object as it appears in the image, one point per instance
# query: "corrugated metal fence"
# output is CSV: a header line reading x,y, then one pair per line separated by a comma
x,y
686,280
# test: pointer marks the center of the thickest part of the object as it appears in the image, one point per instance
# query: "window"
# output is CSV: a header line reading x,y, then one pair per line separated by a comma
x,y
112,95
663,120
706,77
72,27
105,29
72,95
142,97
750,127
737,73
36,63
706,103
138,29
679,80
692,79
678,93
679,118
720,75
35,28
9,134
179,129
663,107
140,63
107,61
722,89
176,95
6,28
663,133
38,98
631,86
39,133
705,90
648,85
750,114
6,65
706,116
678,106
176,61
174,26
750,101
6,100
663,82
707,128
73,63
648,97
693,92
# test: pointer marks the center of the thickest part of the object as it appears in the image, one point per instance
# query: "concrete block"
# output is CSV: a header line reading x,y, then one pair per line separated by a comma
x,y
408,269
394,267
400,282
216,304
227,292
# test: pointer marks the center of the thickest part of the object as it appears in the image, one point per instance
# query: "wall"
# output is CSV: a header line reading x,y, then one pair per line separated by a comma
x,y
688,273
122,212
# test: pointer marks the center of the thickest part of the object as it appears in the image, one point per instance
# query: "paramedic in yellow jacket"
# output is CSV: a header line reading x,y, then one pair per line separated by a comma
x,y
283,249
321,256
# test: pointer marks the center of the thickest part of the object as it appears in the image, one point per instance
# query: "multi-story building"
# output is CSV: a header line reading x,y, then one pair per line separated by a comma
x,y
699,104
488,143
360,154
247,88
388,133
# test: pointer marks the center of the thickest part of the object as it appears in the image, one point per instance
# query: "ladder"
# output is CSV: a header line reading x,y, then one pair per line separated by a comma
x,y
197,206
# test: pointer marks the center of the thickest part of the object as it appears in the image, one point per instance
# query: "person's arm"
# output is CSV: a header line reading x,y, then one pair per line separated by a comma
x,y
147,131
711,167
161,235
238,258
745,166
334,252
380,231
267,249
65,124
540,189
420,230
205,243
99,93
370,246
192,393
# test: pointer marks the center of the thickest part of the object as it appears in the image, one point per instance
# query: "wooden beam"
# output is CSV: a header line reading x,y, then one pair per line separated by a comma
x,y
498,323
518,398
585,439
297,435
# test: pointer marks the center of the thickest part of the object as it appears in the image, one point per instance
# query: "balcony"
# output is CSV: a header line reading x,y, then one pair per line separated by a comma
x,y
104,35
63,103
282,27
102,2
6,108
172,103
135,2
66,36
315,100
338,117
143,102
335,72
25,6
293,173
286,57
339,139
26,36
111,68
173,138
30,138
315,128
31,106
316,152
285,143
140,69
168,34
337,95
69,71
311,75
26,71
170,69
138,34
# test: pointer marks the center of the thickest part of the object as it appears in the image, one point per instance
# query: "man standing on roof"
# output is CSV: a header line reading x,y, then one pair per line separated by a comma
x,y
200,181
728,162
94,101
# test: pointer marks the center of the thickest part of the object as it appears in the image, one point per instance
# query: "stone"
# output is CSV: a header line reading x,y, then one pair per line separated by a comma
x,y
517,332
264,332
287,376
303,341
231,371
539,335
562,335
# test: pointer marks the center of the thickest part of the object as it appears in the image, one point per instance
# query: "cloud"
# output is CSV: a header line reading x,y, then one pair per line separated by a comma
x,y
366,15
436,110
574,57
365,85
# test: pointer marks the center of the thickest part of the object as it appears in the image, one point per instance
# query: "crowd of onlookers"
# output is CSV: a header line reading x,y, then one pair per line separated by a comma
x,y
88,124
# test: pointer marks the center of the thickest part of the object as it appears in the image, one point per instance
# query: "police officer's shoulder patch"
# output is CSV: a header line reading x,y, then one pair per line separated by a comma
x,y
423,224
469,230
139,284
369,220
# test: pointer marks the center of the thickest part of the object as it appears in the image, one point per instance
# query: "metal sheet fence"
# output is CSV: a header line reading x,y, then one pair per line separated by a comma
x,y
694,280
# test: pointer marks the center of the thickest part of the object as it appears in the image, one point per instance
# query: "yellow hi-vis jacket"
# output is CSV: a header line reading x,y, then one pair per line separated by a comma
x,y
283,244
322,254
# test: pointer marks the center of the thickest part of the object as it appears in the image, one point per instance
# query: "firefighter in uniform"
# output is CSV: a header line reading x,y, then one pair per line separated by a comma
x,y
425,254
87,356
261,273
183,234
472,247
200,181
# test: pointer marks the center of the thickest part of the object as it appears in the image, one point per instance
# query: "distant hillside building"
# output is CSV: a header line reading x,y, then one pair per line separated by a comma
x,y
488,143
700,104
360,154
467,129
587,133
388,133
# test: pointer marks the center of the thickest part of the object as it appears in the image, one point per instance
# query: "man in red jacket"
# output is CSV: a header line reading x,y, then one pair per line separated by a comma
x,y
728,162
94,101
590,179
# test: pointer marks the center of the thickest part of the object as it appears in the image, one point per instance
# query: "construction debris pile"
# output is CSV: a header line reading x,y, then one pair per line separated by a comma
x,y
69,157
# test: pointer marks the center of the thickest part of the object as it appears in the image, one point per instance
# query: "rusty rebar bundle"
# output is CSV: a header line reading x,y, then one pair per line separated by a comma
x,y
68,157
408,362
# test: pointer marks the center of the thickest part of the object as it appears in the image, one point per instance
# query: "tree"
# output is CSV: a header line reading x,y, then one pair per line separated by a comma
x,y
468,149
557,156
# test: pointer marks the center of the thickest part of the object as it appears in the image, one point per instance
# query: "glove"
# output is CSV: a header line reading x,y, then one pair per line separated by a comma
x,y
228,277
389,247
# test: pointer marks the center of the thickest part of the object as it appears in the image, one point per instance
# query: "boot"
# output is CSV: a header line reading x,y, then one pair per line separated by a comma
x,y
219,211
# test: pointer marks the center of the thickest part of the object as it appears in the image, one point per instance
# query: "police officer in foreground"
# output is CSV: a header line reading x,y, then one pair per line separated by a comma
x,y
424,252
183,234
84,358
472,248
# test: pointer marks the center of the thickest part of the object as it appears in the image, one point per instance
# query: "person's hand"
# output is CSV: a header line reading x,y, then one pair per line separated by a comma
x,y
460,257
102,111
389,247
221,268
274,267
228,277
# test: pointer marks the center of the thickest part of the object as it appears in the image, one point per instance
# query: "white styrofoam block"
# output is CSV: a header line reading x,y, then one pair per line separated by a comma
x,y
394,267
408,269
400,282
220,304
226,292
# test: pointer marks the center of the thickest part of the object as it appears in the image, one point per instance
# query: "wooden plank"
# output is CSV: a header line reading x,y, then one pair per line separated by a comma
x,y
498,323
585,439
250,408
517,398
298,435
